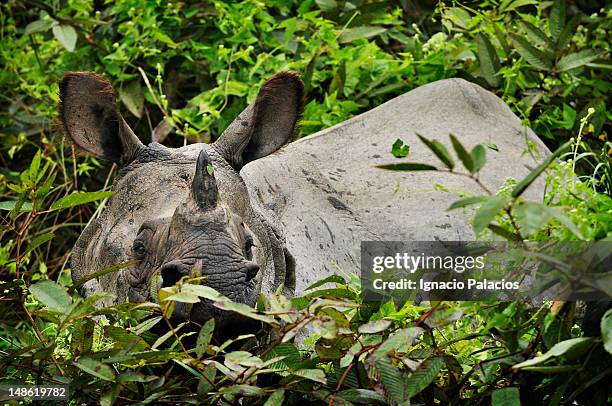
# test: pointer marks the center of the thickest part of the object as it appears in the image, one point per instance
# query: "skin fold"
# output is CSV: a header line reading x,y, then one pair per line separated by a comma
x,y
185,211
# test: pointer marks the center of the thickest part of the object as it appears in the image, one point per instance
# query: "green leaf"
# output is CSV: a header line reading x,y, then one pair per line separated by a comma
x,y
316,375
489,60
501,37
491,146
189,369
206,381
467,201
124,339
502,232
509,5
399,149
82,336
536,35
423,376
506,397
289,352
244,310
569,349
96,368
569,117
529,179
487,212
132,376
534,56
556,19
276,398
407,166
34,167
10,205
330,279
576,60
555,369
339,79
204,337
439,150
366,32
463,155
567,33
403,337
325,327
203,291
479,157
110,396
160,36
146,325
333,292
557,214
459,16
531,216
182,297
41,194
52,295
327,5
162,339
243,390
132,97
66,35
374,326
363,396
78,198
101,272
38,241
606,330
336,315
243,358
392,379
38,26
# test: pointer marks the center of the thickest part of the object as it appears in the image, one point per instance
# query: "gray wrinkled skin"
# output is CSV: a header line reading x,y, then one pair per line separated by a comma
x,y
174,233
268,218
329,196
184,211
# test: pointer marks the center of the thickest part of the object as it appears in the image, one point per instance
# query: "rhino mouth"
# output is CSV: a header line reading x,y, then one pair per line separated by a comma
x,y
237,281
233,285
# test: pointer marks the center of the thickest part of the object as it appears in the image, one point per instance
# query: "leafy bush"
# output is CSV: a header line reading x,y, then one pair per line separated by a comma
x,y
356,353
184,70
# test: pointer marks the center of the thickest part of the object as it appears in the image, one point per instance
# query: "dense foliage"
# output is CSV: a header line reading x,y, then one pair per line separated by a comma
x,y
184,70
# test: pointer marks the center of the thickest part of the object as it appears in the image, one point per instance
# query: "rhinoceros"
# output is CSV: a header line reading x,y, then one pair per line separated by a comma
x,y
254,212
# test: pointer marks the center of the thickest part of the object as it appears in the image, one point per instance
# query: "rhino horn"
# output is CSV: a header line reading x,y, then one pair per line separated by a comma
x,y
204,186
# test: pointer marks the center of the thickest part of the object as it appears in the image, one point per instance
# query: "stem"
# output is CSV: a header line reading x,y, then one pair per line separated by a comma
x,y
583,122
37,331
514,223
148,84
340,382
226,85
175,335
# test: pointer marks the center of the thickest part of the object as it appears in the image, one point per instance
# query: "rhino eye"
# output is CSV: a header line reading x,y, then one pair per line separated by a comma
x,y
140,251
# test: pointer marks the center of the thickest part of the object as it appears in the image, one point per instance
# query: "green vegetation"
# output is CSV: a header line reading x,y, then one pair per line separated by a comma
x,y
184,70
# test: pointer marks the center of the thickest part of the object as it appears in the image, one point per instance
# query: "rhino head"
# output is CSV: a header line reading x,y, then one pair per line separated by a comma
x,y
174,211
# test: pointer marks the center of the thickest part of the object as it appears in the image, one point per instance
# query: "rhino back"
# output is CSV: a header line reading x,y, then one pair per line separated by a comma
x,y
329,196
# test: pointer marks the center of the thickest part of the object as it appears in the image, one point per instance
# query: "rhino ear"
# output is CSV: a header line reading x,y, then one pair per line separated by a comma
x,y
92,119
265,125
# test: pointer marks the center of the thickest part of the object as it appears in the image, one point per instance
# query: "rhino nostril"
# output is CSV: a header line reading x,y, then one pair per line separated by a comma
x,y
251,269
171,273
